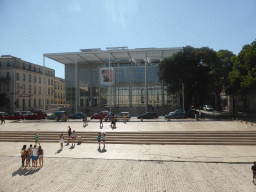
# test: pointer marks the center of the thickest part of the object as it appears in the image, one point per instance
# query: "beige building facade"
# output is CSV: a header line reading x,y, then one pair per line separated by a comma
x,y
59,96
23,84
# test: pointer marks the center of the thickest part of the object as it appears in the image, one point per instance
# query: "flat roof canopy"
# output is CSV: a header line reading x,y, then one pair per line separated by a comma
x,y
116,55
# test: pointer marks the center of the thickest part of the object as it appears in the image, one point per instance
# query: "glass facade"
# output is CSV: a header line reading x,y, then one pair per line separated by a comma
x,y
127,90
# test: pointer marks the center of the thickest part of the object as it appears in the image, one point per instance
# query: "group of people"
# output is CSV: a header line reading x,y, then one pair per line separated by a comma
x,y
32,153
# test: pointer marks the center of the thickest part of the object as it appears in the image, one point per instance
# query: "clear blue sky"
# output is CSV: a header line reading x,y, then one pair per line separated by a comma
x,y
30,28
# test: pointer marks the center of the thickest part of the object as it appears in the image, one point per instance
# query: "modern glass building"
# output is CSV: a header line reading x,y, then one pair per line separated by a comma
x,y
116,77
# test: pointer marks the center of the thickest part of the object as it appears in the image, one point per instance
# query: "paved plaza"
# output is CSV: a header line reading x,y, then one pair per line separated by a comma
x,y
130,167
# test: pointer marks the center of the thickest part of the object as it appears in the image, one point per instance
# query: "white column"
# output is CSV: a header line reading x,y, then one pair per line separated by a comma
x,y
146,85
76,84
44,82
109,83
162,90
130,86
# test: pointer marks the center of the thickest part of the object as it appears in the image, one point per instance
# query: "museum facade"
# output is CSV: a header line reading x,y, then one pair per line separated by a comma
x,y
116,77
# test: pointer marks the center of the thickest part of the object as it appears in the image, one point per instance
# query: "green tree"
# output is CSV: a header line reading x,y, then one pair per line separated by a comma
x,y
243,75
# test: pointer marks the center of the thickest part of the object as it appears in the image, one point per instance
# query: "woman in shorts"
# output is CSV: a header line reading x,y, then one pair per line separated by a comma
x,y
61,140
23,154
41,156
74,137
98,138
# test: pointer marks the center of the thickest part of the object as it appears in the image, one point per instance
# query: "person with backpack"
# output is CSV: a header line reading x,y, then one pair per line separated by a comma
x,y
61,140
40,153
23,154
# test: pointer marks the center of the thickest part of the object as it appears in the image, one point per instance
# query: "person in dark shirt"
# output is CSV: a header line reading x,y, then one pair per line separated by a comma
x,y
254,171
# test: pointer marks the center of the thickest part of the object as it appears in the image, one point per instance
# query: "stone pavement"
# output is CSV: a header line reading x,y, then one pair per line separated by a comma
x,y
130,167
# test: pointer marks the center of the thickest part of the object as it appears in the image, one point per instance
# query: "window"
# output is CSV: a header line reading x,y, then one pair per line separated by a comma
x,y
58,95
39,80
24,89
24,77
34,79
29,103
55,95
0,64
39,103
34,69
17,88
18,76
39,70
8,64
48,81
61,87
47,101
48,91
29,77
34,103
35,90
39,91
17,103
7,75
58,86
29,89
61,95
51,82
23,65
29,68
7,86
51,91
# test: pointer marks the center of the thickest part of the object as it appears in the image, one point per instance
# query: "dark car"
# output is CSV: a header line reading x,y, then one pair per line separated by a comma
x,y
148,115
79,115
178,113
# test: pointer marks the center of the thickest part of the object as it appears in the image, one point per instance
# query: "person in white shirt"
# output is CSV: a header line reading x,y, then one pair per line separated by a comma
x,y
35,156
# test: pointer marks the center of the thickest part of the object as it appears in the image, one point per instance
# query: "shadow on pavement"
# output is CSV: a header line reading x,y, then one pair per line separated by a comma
x,y
59,151
26,171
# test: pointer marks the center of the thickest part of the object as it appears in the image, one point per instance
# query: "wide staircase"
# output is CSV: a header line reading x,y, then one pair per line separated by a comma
x,y
149,138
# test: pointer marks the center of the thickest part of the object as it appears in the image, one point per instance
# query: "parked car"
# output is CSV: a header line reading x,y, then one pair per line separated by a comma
x,y
57,115
36,115
104,114
79,115
148,115
178,113
120,115
25,113
15,116
208,108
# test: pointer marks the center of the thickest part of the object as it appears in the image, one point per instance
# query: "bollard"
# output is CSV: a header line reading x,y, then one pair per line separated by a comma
x,y
241,121
236,119
141,119
79,139
252,124
245,122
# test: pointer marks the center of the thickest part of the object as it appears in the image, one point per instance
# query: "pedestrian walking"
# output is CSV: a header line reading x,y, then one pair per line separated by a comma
x,y
104,139
36,138
199,113
99,138
61,140
29,156
69,133
124,118
253,171
114,121
101,124
23,155
41,156
2,119
35,156
74,138
85,121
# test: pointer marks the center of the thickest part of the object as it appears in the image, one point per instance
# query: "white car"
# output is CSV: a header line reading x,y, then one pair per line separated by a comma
x,y
208,108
